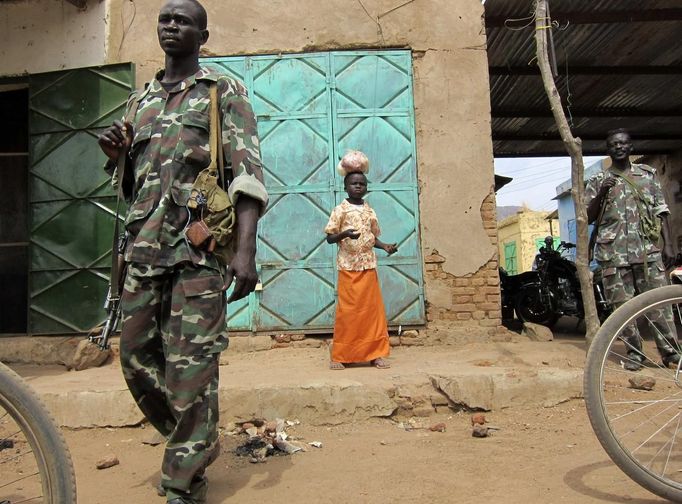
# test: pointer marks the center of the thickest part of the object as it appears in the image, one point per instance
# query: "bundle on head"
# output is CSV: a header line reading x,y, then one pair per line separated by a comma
x,y
353,162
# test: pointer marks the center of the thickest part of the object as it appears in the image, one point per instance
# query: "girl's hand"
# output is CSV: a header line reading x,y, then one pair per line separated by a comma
x,y
351,233
390,248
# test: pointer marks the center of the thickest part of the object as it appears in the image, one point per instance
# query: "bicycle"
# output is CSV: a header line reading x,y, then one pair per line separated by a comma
x,y
637,416
35,465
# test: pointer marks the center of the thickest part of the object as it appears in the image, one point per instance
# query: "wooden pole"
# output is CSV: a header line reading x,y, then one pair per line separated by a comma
x,y
574,148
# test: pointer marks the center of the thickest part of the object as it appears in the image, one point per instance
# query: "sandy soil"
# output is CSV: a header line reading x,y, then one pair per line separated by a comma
x,y
539,456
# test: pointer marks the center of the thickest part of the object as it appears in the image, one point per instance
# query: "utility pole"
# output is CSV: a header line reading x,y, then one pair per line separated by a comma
x,y
543,27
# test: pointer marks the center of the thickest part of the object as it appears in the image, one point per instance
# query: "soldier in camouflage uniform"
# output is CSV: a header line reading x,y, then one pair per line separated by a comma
x,y
627,201
173,301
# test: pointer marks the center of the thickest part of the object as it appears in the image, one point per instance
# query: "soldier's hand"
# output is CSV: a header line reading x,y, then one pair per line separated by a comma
x,y
668,256
243,268
116,138
607,185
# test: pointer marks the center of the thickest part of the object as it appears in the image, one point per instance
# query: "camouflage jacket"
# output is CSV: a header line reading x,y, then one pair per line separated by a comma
x,y
619,239
170,147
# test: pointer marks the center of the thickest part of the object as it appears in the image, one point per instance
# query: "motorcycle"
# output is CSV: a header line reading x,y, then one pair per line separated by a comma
x,y
550,291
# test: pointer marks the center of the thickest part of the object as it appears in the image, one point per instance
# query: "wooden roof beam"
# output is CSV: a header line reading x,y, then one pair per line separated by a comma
x,y
597,17
587,112
552,137
588,70
81,4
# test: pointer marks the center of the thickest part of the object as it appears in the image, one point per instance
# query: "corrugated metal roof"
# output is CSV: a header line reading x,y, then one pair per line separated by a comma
x,y
613,73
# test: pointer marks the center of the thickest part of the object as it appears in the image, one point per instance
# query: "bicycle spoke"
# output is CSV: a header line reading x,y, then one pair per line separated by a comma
x,y
20,479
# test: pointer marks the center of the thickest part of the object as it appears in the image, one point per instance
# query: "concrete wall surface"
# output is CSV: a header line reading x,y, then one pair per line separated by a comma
x,y
46,35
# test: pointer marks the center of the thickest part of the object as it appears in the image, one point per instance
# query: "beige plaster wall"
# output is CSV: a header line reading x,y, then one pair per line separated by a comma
x,y
46,35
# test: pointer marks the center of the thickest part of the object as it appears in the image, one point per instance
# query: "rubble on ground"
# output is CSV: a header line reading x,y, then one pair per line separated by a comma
x,y
268,438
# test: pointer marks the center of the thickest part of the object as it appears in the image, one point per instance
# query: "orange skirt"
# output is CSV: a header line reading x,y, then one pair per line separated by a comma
x,y
360,329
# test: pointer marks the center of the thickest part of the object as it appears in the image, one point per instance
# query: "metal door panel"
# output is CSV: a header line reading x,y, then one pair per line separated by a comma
x,y
290,96
71,200
311,108
373,112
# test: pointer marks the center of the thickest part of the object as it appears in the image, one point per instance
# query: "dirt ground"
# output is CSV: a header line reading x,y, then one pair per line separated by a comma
x,y
538,455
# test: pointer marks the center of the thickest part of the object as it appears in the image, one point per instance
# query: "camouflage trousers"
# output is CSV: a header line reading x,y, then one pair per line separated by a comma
x,y
621,285
174,329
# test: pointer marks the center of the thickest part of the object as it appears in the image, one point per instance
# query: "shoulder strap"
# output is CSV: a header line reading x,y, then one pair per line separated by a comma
x,y
216,166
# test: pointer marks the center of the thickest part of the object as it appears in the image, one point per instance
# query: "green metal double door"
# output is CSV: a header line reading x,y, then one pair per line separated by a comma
x,y
311,108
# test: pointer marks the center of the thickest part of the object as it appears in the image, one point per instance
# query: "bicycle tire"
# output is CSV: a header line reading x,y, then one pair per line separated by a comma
x,y
601,379
52,456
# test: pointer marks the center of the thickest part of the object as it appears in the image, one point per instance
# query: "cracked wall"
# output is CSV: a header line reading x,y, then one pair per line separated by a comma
x,y
40,36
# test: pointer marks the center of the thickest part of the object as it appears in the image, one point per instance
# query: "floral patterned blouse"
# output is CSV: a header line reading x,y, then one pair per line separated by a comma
x,y
355,255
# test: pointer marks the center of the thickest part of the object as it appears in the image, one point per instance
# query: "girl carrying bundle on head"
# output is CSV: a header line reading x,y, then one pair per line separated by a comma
x,y
360,329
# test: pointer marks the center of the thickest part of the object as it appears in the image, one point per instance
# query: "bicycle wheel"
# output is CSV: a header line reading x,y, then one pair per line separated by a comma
x,y
641,430
35,465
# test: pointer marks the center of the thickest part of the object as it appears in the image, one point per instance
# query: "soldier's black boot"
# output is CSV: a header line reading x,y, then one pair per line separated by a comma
x,y
633,362
672,358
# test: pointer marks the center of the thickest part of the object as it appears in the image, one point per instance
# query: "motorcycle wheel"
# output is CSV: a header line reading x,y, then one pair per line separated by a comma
x,y
530,307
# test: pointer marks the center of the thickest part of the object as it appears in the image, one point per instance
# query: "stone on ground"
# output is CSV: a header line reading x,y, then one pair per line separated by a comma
x,y
537,332
88,355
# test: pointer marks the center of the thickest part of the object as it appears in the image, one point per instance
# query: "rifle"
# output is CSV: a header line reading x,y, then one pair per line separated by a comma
x,y
112,303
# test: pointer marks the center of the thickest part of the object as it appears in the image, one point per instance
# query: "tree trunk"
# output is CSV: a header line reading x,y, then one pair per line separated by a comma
x,y
574,147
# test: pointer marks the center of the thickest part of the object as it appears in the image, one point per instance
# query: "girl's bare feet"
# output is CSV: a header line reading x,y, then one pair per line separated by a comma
x,y
336,366
380,363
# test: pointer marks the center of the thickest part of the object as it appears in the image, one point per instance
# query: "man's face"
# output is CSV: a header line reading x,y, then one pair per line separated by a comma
x,y
356,185
179,29
619,146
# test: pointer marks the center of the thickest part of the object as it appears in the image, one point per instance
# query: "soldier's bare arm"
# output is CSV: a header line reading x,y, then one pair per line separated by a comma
x,y
243,266
668,251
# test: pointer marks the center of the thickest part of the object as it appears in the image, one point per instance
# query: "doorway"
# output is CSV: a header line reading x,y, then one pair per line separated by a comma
x,y
14,236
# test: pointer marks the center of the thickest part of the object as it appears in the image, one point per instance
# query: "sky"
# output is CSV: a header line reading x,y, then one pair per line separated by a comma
x,y
535,180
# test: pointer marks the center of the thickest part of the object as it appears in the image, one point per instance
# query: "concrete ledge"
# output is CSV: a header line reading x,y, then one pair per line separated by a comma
x,y
296,383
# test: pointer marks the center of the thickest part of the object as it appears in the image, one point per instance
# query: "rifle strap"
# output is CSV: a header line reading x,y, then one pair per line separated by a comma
x,y
120,169
216,138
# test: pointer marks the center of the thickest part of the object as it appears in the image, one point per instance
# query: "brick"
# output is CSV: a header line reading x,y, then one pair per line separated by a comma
x,y
478,315
464,316
461,282
493,281
431,267
462,299
467,307
464,291
478,282
489,322
488,306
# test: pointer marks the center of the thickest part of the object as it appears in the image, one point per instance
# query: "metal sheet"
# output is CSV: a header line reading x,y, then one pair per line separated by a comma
x,y
71,202
311,108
